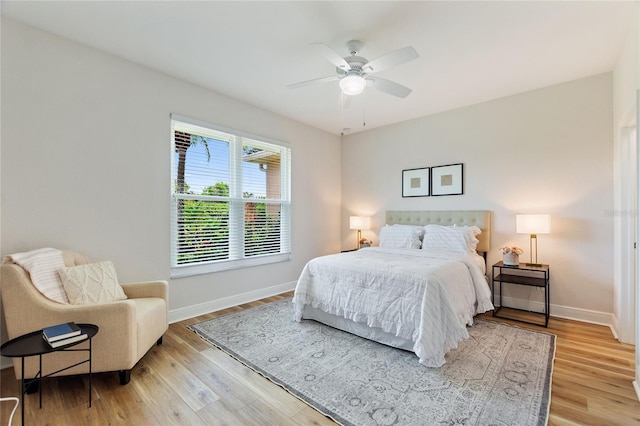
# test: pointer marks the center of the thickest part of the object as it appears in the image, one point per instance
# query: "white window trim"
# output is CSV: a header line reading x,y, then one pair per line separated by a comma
x,y
209,129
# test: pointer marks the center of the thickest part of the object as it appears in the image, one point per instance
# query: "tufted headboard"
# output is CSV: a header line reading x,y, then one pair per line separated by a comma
x,y
479,218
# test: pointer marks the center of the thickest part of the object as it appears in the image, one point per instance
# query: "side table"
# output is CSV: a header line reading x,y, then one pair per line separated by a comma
x,y
33,344
504,274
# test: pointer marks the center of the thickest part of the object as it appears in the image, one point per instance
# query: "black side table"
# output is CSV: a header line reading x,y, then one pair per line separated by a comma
x,y
539,277
33,344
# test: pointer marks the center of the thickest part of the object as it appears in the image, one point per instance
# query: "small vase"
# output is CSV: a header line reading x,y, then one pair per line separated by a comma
x,y
511,259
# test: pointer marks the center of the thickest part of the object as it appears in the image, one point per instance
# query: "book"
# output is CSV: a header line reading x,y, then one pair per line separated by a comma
x,y
60,331
72,339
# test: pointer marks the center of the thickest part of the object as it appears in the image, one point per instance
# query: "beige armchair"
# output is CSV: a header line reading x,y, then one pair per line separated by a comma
x,y
128,328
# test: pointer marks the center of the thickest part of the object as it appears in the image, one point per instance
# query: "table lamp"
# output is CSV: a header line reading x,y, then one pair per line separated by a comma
x,y
359,223
533,224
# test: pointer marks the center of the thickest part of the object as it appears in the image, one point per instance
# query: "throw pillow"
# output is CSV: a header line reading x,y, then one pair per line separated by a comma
x,y
43,265
91,283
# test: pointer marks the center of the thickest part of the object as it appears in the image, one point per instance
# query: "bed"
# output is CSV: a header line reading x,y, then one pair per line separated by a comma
x,y
417,296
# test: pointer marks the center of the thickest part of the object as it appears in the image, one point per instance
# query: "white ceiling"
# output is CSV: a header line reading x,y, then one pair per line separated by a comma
x,y
470,52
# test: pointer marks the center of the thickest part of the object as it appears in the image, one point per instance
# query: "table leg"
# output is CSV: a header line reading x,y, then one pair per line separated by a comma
x,y
22,391
548,288
40,380
90,367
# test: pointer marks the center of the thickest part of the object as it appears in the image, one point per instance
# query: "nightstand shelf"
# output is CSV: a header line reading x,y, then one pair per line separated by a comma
x,y
537,276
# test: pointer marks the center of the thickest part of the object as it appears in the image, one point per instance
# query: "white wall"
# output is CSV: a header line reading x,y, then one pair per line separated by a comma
x,y
626,89
544,151
626,81
626,74
86,157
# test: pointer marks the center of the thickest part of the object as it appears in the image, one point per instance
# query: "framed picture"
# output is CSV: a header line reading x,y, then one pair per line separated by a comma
x,y
446,180
415,182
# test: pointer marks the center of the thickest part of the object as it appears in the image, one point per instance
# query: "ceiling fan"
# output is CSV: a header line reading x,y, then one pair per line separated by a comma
x,y
354,72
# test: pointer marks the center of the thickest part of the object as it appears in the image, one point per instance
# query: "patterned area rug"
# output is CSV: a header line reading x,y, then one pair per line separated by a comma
x,y
501,375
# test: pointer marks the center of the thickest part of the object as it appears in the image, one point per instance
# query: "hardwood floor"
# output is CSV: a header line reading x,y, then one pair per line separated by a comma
x,y
186,381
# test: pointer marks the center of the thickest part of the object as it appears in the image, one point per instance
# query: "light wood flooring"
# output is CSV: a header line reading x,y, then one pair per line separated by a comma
x,y
186,381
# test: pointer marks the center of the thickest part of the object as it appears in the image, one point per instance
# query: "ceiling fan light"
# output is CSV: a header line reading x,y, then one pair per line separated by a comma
x,y
352,84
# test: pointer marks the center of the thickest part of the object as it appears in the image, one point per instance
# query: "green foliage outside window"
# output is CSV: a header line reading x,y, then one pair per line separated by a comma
x,y
205,228
205,231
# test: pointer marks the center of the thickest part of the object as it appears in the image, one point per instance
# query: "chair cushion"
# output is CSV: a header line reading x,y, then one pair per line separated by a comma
x,y
91,283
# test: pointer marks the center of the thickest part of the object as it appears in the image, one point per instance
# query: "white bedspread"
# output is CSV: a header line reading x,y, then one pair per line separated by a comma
x,y
424,296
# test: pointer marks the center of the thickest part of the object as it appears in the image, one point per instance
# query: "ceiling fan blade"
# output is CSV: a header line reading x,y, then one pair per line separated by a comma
x,y
314,81
332,56
389,87
391,59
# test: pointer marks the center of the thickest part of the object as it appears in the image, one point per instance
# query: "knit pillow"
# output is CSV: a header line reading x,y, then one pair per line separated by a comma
x,y
91,283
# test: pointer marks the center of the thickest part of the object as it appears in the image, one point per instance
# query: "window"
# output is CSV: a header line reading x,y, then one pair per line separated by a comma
x,y
231,199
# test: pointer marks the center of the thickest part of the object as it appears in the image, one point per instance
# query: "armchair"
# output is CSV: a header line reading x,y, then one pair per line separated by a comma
x,y
128,328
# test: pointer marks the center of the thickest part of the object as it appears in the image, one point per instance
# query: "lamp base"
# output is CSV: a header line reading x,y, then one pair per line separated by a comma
x,y
533,264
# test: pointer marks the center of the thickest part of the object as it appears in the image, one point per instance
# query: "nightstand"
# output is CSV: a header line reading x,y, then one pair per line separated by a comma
x,y
347,251
522,275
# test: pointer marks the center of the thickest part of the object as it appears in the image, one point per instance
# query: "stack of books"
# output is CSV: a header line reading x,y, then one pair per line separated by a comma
x,y
63,334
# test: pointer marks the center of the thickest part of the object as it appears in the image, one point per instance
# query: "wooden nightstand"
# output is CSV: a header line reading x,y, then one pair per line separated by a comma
x,y
534,276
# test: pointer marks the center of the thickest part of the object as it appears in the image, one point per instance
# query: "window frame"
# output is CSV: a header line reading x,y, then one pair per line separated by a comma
x,y
236,202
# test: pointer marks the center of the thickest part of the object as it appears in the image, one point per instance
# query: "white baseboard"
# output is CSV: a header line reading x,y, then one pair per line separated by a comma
x,y
181,314
559,311
210,306
636,386
614,327
207,307
567,312
577,314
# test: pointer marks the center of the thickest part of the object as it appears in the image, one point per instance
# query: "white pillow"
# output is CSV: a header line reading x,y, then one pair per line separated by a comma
x,y
418,228
91,283
401,236
456,239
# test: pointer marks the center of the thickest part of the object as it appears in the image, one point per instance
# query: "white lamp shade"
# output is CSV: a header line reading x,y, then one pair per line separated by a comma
x,y
533,223
359,222
352,84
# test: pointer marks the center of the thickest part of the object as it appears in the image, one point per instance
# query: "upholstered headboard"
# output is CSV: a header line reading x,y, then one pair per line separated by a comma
x,y
479,218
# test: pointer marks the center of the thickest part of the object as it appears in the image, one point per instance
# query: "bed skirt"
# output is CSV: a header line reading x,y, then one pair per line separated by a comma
x,y
358,328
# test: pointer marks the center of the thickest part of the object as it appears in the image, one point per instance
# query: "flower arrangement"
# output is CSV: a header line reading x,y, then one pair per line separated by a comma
x,y
365,243
514,250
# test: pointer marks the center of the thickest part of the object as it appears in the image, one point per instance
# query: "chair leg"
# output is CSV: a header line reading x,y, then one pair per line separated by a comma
x,y
159,342
125,376
31,386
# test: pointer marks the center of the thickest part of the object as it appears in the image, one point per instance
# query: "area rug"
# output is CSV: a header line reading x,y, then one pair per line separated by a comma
x,y
501,375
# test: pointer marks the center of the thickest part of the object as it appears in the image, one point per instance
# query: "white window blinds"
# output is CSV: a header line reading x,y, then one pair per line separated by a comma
x,y
231,199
